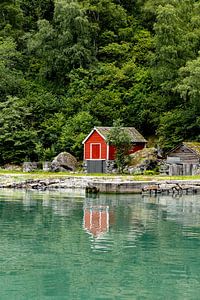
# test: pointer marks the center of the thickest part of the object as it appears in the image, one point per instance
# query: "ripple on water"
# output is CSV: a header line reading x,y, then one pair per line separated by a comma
x,y
148,249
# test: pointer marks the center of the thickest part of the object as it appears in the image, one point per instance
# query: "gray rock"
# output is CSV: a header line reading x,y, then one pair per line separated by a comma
x,y
64,162
143,160
46,166
29,166
12,167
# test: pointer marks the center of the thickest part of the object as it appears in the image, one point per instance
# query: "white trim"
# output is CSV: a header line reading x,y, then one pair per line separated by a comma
x,y
95,159
93,130
84,153
141,140
107,149
100,217
100,134
87,137
91,217
108,218
91,144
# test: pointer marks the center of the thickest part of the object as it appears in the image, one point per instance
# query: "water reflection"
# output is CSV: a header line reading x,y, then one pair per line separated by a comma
x,y
66,246
108,211
96,220
62,203
182,209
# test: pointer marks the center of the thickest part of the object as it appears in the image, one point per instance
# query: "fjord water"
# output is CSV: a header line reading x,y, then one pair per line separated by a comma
x,y
59,245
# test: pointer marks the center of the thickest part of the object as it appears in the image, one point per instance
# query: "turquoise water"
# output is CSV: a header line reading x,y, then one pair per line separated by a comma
x,y
132,247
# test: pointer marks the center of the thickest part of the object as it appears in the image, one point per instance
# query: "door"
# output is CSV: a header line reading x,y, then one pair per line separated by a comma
x,y
96,151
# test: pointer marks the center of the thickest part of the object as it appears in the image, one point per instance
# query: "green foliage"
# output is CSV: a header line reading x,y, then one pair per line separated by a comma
x,y
66,66
34,10
177,40
17,139
189,86
150,172
176,126
11,79
11,18
121,140
65,43
44,154
74,131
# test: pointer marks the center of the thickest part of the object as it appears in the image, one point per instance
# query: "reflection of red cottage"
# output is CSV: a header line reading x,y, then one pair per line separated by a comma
x,y
99,155
96,220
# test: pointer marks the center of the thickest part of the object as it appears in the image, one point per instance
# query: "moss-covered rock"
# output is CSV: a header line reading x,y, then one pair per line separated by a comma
x,y
143,160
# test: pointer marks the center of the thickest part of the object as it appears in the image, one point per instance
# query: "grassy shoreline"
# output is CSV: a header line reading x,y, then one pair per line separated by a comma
x,y
45,175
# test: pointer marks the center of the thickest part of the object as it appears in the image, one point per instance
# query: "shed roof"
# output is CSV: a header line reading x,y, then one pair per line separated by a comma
x,y
194,146
135,136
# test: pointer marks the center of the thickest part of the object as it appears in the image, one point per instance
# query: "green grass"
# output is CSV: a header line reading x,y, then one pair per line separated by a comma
x,y
159,177
46,175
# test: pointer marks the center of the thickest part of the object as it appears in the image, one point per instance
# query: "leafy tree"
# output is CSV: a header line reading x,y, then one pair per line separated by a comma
x,y
11,18
11,79
17,138
74,132
120,139
34,10
65,44
189,85
176,126
66,66
50,133
177,40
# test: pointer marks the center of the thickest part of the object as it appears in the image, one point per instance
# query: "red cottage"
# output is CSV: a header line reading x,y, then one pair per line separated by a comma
x,y
99,155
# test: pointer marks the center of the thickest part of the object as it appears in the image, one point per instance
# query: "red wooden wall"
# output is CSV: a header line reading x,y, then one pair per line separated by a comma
x,y
94,139
111,152
137,147
96,148
133,150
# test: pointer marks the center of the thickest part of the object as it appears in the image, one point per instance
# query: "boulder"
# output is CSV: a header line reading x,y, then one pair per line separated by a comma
x,y
143,160
64,162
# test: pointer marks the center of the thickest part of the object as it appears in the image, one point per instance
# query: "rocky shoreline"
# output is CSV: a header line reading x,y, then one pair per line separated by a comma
x,y
105,185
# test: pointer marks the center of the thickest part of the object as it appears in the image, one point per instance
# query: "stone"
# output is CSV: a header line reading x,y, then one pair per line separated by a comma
x,y
12,167
196,169
142,160
64,162
163,168
110,167
46,166
29,166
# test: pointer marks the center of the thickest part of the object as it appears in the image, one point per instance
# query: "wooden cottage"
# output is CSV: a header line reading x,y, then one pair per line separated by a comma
x,y
184,159
99,155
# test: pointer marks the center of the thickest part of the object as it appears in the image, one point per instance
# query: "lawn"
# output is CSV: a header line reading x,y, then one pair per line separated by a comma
x,y
18,175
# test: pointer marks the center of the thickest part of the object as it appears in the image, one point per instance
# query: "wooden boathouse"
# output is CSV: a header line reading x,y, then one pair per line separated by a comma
x,y
99,155
184,159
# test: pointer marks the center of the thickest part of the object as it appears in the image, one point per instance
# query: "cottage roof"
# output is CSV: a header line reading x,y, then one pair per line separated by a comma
x,y
194,146
135,136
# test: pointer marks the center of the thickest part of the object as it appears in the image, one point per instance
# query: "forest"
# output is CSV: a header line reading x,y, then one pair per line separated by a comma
x,y
69,65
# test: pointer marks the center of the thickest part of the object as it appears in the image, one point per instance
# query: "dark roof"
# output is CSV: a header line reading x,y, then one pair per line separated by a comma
x,y
135,136
194,146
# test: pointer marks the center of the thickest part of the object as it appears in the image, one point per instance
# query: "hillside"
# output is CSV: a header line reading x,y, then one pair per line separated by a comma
x,y
66,66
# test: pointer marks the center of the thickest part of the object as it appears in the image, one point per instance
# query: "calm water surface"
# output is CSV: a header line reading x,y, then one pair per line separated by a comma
x,y
57,245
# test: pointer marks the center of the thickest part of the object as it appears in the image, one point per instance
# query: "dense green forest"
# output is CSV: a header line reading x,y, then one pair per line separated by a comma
x,y
66,66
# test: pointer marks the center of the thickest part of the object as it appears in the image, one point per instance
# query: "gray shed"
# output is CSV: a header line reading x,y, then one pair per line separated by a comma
x,y
184,159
